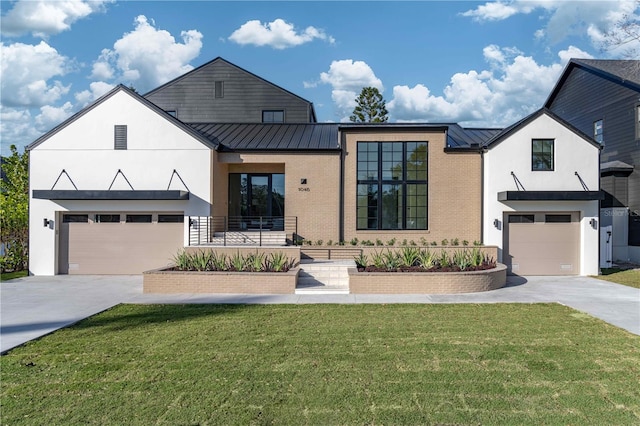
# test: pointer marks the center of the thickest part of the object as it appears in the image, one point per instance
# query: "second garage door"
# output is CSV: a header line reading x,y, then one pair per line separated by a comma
x,y
542,243
118,243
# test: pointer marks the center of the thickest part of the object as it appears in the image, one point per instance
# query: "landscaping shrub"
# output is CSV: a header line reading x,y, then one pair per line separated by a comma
x,y
210,261
414,259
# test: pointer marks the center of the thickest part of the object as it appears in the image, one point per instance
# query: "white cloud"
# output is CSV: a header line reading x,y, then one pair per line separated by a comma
x,y
26,71
593,18
16,128
96,89
50,116
43,18
347,78
514,86
148,57
277,34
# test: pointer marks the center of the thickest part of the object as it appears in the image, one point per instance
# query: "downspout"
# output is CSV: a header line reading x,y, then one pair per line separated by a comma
x,y
342,143
481,151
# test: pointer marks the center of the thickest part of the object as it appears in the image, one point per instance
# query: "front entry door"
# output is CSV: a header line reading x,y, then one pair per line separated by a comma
x,y
255,196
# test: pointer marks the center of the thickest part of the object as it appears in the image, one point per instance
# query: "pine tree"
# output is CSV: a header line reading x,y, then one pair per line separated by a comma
x,y
370,107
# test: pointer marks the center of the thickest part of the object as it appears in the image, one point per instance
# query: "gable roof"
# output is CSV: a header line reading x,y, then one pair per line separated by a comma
x,y
528,119
270,136
121,88
220,59
624,72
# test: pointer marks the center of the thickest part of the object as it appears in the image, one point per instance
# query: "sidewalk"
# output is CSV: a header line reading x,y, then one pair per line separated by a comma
x,y
32,307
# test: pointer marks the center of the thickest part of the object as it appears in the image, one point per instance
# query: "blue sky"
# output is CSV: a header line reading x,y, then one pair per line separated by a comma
x,y
476,63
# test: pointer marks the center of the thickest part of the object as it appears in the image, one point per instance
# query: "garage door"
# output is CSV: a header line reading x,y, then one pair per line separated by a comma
x,y
542,243
118,243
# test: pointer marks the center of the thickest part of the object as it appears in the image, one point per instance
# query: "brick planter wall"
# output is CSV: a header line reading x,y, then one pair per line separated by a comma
x,y
161,281
426,282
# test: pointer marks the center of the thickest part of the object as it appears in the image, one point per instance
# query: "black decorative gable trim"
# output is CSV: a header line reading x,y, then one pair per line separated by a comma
x,y
45,194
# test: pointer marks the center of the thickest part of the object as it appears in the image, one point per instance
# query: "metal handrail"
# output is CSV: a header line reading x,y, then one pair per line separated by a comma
x,y
202,229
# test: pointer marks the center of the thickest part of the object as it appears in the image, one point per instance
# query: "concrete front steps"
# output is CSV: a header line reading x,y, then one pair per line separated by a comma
x,y
250,238
324,276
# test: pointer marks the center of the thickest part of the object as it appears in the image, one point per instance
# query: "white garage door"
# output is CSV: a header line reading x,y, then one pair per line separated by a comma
x,y
118,243
542,243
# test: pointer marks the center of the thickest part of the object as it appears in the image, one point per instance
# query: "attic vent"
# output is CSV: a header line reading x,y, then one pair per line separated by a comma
x,y
219,89
120,136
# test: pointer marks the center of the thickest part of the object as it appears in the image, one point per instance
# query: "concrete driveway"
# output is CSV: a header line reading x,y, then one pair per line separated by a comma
x,y
32,307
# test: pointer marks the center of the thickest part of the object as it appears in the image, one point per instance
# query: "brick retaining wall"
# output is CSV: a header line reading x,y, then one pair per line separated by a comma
x,y
159,281
426,282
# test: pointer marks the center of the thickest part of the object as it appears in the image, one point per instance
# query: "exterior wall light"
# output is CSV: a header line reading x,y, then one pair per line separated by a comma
x,y
594,223
46,222
303,181
497,224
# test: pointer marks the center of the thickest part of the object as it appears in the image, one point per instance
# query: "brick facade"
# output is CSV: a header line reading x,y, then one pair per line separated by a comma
x,y
315,204
454,187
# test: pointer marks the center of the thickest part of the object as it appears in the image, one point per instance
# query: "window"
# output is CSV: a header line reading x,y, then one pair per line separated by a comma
x,y
557,218
637,121
598,132
107,218
392,185
172,112
120,136
275,116
219,89
521,218
138,218
170,218
542,155
75,218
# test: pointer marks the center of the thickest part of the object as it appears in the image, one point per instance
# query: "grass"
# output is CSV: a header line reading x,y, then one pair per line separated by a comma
x,y
630,277
11,275
327,364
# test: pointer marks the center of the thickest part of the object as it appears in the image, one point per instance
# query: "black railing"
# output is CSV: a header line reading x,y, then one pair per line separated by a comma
x,y
242,230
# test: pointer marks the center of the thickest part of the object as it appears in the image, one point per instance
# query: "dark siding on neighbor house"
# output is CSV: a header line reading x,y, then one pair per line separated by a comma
x,y
245,97
586,97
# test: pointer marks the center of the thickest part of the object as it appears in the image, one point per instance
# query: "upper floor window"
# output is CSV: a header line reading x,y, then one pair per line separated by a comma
x,y
273,116
542,154
392,185
120,136
598,132
172,112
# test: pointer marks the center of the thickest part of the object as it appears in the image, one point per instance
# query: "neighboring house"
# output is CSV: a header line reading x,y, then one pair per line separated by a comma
x,y
221,92
541,197
121,186
602,99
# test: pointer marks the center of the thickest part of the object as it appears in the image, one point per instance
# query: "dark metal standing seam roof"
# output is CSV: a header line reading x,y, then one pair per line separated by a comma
x,y
271,137
460,137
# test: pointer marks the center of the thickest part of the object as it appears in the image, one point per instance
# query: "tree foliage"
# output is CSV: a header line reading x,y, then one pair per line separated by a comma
x,y
370,107
625,36
14,211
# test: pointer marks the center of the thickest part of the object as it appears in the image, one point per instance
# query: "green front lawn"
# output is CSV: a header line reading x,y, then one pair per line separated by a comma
x,y
630,277
327,364
11,275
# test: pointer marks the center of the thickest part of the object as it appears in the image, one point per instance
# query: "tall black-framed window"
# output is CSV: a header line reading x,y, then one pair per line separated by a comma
x,y
542,155
392,185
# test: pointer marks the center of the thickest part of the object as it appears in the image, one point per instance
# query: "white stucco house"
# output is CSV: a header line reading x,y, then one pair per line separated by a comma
x,y
124,184
541,192
127,161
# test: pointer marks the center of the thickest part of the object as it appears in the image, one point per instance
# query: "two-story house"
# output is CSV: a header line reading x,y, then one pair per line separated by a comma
x,y
601,98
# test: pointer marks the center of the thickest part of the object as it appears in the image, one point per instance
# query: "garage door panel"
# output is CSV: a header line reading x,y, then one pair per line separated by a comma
x,y
542,248
122,248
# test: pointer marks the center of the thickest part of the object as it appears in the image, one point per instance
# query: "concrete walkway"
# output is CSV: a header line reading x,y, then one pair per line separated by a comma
x,y
32,307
